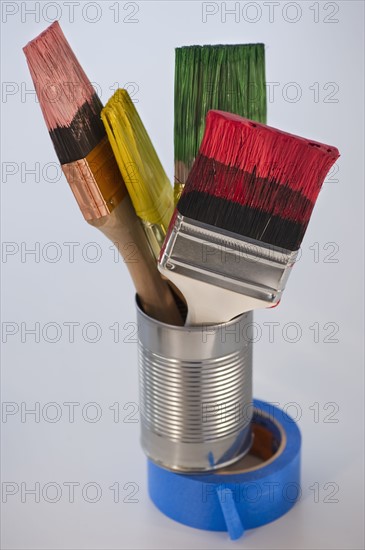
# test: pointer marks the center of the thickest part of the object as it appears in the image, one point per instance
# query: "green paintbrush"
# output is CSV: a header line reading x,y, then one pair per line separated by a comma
x,y
224,77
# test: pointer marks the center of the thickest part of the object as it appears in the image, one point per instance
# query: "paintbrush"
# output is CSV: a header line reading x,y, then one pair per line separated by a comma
x,y
147,183
242,216
71,110
224,77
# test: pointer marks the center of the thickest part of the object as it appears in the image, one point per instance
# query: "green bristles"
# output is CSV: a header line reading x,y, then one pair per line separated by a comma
x,y
225,77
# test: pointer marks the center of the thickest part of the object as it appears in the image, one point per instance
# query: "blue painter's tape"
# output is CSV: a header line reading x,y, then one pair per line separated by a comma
x,y
237,498
230,512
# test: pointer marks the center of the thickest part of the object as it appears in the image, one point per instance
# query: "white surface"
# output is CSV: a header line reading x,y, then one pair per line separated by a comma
x,y
306,372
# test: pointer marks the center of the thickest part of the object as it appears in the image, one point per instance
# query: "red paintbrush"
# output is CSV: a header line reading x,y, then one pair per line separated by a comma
x,y
242,216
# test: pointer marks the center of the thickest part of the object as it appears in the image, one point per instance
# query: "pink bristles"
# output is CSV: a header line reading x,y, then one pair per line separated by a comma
x,y
62,88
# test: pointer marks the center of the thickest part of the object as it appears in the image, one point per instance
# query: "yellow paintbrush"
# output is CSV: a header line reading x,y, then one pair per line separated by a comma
x,y
147,183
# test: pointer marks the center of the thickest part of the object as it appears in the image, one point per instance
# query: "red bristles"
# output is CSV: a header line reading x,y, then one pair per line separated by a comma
x,y
274,155
255,180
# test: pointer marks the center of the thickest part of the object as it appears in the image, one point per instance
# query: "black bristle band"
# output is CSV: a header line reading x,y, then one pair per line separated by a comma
x,y
243,220
86,130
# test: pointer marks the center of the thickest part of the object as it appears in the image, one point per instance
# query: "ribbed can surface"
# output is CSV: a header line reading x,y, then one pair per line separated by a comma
x,y
195,392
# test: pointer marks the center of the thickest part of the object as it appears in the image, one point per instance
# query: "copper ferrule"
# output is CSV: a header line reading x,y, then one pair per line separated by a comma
x,y
96,181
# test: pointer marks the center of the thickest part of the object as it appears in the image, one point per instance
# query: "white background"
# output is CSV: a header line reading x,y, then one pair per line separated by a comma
x,y
297,375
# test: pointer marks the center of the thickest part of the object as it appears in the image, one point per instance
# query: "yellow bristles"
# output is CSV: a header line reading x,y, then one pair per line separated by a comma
x,y
147,183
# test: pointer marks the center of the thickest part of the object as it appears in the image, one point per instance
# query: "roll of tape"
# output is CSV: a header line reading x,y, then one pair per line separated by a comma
x,y
241,496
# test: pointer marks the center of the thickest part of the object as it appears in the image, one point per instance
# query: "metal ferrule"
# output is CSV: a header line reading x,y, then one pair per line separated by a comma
x,y
227,260
195,392
155,234
96,182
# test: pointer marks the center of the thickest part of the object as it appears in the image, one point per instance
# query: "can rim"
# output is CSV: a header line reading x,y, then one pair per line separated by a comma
x,y
195,328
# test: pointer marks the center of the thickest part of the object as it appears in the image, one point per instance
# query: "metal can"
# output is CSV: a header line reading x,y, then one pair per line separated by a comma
x,y
195,388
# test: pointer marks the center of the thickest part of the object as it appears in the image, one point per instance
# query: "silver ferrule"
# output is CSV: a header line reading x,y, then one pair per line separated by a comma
x,y
155,235
228,260
195,392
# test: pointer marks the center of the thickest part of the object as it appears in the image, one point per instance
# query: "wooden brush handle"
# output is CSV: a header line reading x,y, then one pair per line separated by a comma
x,y
124,229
